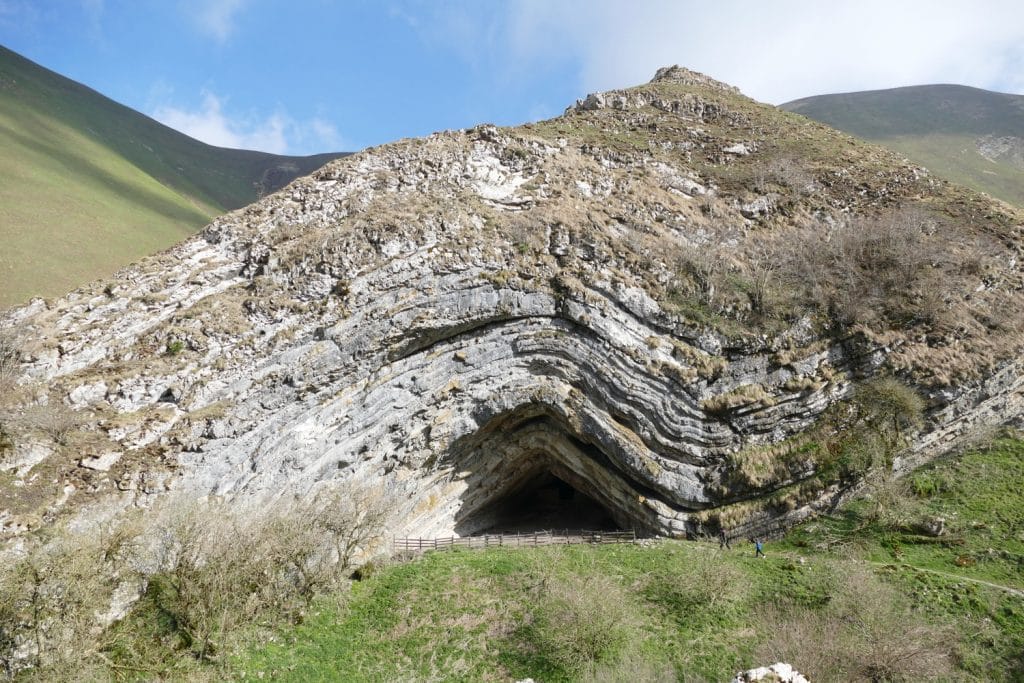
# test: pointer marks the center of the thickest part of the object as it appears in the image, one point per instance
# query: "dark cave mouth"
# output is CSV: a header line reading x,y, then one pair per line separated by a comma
x,y
543,502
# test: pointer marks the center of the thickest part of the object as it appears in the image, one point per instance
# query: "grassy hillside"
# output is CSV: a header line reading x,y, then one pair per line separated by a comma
x,y
89,185
860,596
969,136
863,595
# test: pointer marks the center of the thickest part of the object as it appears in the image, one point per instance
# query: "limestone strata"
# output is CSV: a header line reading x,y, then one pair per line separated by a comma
x,y
447,318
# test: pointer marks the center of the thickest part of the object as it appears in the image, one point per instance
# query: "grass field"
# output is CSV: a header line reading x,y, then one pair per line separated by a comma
x,y
886,595
866,594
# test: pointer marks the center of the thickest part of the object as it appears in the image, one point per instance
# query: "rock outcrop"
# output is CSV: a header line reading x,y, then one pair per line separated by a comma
x,y
776,673
591,297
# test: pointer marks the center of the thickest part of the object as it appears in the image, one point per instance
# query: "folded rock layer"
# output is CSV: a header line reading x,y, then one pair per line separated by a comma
x,y
622,298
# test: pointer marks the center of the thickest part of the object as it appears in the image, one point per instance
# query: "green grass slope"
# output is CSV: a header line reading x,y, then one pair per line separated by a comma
x,y
859,596
862,595
938,126
88,185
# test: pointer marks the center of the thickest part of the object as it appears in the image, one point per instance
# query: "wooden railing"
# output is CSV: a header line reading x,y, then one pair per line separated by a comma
x,y
530,540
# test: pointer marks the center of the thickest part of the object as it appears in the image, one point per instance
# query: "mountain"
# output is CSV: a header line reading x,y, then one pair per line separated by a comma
x,y
967,135
689,307
672,309
89,185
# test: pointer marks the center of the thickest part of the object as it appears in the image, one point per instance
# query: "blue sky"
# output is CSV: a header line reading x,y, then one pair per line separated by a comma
x,y
306,76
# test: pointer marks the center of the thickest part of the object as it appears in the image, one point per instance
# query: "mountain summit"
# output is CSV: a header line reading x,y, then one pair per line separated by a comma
x,y
684,306
680,75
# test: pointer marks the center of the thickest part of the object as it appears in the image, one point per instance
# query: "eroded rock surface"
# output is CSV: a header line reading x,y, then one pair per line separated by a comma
x,y
447,318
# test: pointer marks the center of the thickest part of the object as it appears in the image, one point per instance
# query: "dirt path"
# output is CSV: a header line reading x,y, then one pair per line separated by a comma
x,y
1018,592
958,577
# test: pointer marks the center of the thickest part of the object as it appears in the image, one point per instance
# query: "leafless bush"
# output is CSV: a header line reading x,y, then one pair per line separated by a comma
x,y
525,234
894,505
211,572
226,569
53,419
866,633
791,172
583,621
701,269
867,270
352,518
764,271
708,273
10,352
55,599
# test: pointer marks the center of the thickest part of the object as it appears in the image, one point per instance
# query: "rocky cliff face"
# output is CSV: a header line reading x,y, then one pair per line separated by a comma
x,y
664,298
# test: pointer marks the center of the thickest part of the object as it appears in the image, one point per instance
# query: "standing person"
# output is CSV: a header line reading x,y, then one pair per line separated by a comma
x,y
758,552
723,540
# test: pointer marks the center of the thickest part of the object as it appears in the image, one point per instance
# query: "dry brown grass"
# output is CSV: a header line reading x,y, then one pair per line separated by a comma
x,y
743,395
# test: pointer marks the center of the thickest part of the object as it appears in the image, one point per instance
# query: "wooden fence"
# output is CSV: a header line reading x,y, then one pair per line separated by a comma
x,y
530,540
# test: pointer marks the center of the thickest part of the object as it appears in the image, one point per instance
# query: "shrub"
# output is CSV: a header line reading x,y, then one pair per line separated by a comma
x,y
866,632
55,599
889,408
174,347
54,419
867,432
583,621
226,568
867,270
10,352
707,583
210,573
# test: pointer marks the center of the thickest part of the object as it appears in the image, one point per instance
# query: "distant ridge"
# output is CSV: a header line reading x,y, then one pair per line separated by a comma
x,y
970,136
88,185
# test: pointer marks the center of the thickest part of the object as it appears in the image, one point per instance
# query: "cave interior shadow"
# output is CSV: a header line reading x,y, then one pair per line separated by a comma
x,y
541,502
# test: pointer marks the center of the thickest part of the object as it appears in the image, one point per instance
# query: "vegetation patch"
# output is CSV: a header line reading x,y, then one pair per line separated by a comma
x,y
856,596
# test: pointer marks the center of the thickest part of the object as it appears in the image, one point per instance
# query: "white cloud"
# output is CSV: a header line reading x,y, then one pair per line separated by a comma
x,y
324,134
277,133
215,18
396,12
774,51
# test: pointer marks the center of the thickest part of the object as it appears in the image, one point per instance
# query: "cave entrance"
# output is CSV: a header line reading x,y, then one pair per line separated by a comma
x,y
544,502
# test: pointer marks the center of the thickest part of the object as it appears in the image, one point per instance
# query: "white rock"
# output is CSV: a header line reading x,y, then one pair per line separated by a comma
x,y
739,149
102,462
87,394
776,673
23,457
